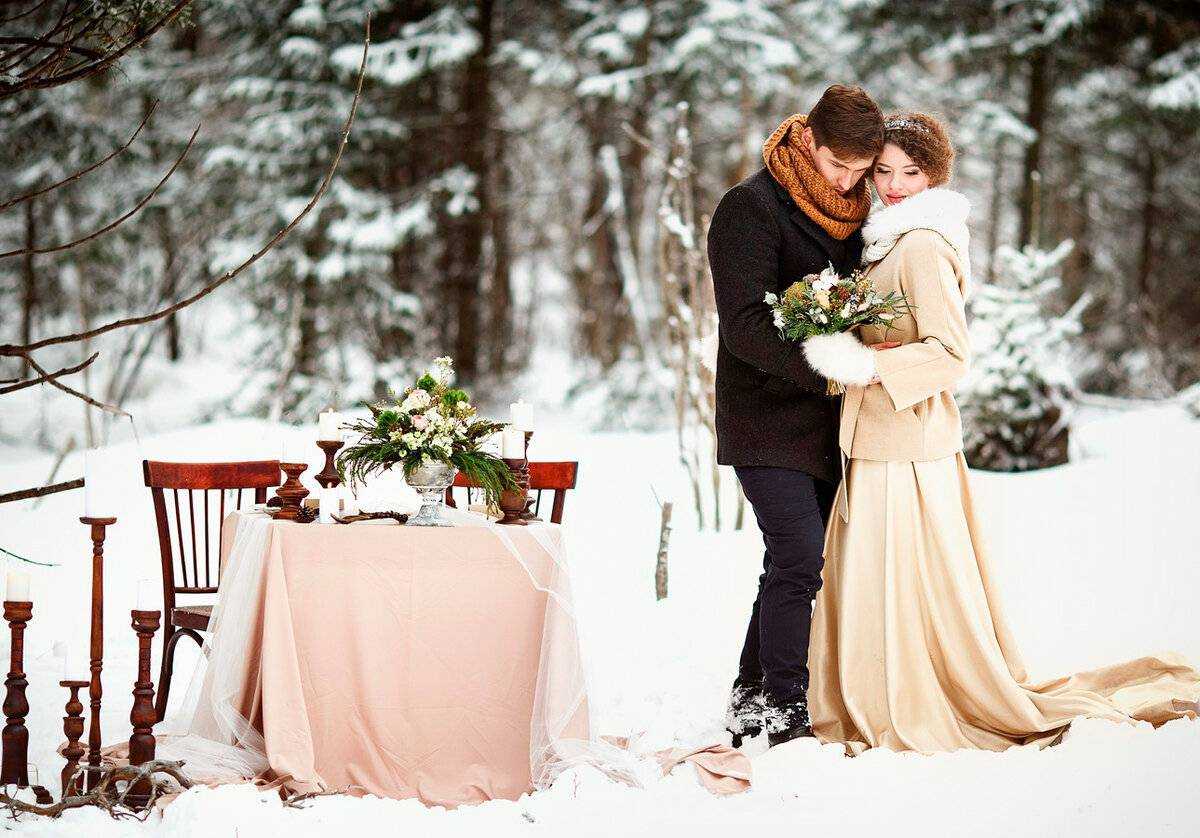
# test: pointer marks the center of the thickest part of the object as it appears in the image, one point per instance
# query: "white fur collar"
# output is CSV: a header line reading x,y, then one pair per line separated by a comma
x,y
939,209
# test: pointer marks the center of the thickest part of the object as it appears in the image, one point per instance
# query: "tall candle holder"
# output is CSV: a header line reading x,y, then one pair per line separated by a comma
x,y
14,764
512,502
328,477
95,688
73,730
142,716
292,493
527,512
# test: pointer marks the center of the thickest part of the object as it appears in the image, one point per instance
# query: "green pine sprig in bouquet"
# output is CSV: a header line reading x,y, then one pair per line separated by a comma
x,y
830,304
430,422
827,304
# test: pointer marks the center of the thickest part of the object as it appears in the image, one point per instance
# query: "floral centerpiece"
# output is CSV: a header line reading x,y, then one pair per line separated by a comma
x,y
432,431
830,304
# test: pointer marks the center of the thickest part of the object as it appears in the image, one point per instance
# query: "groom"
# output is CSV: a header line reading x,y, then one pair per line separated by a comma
x,y
775,424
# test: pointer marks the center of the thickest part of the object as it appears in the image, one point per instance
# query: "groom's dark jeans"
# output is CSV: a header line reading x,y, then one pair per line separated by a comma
x,y
792,508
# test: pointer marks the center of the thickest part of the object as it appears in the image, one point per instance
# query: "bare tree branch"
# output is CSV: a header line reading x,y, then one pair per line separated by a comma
x,y
54,382
83,172
54,488
40,43
28,11
48,377
23,350
105,795
96,234
91,68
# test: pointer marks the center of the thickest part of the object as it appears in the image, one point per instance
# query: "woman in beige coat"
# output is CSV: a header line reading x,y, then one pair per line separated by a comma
x,y
910,649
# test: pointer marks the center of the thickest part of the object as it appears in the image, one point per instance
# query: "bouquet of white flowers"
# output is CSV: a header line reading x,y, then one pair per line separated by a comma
x,y
830,304
430,422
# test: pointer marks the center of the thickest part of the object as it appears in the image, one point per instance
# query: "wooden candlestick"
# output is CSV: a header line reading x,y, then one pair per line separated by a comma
x,y
73,729
292,493
142,716
14,765
527,512
512,503
95,688
328,477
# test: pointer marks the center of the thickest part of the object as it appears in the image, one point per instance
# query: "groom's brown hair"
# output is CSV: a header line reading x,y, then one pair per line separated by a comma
x,y
848,122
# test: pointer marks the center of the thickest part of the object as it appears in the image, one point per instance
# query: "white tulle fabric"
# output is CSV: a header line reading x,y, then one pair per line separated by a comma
x,y
218,742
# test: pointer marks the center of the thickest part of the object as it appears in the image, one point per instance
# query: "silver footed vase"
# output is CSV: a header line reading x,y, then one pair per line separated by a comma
x,y
431,482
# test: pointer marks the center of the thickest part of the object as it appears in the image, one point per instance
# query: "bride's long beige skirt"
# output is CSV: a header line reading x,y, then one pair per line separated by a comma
x,y
910,649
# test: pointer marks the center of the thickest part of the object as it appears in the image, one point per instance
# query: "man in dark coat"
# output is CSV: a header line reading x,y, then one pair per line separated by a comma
x,y
776,426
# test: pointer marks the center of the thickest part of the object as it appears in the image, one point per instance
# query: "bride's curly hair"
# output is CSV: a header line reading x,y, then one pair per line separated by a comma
x,y
925,139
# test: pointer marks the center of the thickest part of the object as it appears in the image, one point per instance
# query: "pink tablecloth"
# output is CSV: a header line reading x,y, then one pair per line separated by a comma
x,y
399,660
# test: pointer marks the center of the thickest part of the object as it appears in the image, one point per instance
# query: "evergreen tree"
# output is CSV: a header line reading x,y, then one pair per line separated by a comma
x,y
1016,401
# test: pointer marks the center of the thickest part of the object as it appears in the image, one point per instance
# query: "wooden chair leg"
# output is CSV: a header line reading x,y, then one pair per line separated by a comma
x,y
170,638
164,671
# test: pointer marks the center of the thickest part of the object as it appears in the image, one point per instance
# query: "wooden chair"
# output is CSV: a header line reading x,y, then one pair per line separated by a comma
x,y
556,477
174,541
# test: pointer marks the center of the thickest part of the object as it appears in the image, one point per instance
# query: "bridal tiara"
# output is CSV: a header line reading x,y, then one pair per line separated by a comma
x,y
903,124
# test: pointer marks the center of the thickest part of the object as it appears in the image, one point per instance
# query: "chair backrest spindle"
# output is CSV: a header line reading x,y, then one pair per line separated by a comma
x,y
161,477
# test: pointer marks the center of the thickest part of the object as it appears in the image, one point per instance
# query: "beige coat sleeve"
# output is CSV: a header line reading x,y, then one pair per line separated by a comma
x,y
940,356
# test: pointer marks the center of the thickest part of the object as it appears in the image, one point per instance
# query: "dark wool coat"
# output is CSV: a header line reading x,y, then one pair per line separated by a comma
x,y
771,406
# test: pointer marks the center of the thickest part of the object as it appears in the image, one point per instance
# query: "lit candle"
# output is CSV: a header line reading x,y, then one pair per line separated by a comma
x,y
521,414
329,425
513,444
145,595
18,586
98,498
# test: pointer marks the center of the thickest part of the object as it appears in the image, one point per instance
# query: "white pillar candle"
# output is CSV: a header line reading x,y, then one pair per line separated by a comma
x,y
145,595
512,445
349,502
98,494
18,587
329,425
521,415
328,504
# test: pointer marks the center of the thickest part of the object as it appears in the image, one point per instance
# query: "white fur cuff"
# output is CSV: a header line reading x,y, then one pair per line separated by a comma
x,y
841,357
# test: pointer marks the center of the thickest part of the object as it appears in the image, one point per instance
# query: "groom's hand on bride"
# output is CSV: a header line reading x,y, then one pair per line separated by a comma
x,y
879,347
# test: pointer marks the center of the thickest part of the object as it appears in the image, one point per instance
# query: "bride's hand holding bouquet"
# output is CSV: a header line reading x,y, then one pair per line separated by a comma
x,y
822,310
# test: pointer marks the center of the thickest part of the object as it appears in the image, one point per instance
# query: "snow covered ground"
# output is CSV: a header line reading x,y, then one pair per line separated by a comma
x,y
1097,561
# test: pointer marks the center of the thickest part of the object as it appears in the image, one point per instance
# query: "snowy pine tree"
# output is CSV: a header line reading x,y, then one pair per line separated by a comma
x,y
1016,401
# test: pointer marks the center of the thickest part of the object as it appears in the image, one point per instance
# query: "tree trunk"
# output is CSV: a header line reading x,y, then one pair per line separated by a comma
x,y
996,198
170,283
660,562
1147,306
29,298
463,260
1037,100
308,343
500,303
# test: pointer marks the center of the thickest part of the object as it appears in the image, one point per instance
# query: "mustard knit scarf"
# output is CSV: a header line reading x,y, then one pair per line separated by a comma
x,y
790,164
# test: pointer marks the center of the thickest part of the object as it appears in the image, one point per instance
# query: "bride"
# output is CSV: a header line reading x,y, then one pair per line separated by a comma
x,y
910,649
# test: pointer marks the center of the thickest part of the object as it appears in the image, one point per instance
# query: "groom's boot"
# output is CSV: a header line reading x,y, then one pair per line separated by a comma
x,y
787,720
744,718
